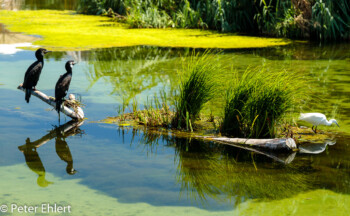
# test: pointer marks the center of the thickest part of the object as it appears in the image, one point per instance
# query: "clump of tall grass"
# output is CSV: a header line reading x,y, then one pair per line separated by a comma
x,y
257,101
199,85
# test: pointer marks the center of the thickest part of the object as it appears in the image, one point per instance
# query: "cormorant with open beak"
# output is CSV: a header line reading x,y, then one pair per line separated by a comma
x,y
62,86
32,75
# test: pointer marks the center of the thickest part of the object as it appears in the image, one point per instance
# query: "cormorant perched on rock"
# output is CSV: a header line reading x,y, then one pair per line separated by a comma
x,y
32,75
62,85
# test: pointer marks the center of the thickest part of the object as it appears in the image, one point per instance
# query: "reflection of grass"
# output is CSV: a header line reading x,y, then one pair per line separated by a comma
x,y
131,71
206,170
63,30
212,171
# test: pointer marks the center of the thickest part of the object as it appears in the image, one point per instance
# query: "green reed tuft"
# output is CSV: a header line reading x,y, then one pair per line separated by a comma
x,y
199,84
257,101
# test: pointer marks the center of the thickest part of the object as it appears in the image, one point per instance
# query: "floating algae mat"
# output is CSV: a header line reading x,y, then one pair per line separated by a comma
x,y
66,30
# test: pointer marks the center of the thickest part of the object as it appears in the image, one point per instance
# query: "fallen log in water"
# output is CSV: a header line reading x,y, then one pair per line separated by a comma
x,y
77,114
271,144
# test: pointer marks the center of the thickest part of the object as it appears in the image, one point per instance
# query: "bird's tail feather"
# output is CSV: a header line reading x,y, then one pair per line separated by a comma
x,y
28,93
58,105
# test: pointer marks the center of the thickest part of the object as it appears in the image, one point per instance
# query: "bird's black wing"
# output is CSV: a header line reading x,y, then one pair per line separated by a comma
x,y
32,75
62,86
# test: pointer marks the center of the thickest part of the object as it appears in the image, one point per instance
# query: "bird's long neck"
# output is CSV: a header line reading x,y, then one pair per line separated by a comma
x,y
69,69
41,59
330,122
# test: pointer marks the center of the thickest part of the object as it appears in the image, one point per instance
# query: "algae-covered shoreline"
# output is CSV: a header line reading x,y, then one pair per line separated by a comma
x,y
66,30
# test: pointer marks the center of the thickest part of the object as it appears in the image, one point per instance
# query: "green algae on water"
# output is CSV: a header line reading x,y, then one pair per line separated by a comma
x,y
65,30
316,202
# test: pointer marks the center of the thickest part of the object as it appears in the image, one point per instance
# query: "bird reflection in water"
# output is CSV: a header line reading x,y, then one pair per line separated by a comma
x,y
31,155
34,163
62,150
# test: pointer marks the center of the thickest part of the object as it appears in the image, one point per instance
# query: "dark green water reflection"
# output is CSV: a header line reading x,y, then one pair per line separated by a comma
x,y
126,168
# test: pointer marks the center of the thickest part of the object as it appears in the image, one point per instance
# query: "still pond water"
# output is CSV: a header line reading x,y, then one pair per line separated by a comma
x,y
125,171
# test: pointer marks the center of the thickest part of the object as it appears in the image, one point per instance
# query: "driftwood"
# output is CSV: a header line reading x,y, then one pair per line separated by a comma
x,y
270,144
282,157
76,115
281,150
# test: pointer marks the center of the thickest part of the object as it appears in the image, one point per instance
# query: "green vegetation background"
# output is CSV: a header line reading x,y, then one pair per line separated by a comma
x,y
324,20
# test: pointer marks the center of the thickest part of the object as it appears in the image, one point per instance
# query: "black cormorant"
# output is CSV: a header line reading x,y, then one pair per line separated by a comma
x,y
32,75
62,85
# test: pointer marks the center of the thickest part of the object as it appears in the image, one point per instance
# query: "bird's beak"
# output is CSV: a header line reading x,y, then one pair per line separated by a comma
x,y
73,171
74,63
337,125
45,52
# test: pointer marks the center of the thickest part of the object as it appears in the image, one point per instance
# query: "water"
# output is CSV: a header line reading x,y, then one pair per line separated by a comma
x,y
103,169
136,166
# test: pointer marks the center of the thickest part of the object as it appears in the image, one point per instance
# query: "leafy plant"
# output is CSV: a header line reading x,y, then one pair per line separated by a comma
x,y
265,18
288,26
186,17
92,6
331,19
